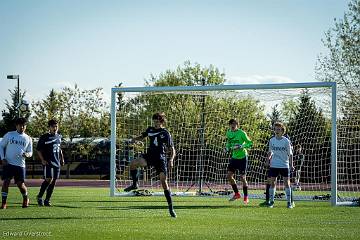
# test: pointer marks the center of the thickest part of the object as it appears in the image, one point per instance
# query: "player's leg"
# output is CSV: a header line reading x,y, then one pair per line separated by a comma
x,y
167,193
45,184
243,169
4,192
24,192
139,162
267,191
19,178
6,177
288,190
297,177
55,173
230,176
273,173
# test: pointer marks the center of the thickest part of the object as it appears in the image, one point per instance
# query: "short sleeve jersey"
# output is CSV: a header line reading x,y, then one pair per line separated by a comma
x,y
281,150
160,139
49,146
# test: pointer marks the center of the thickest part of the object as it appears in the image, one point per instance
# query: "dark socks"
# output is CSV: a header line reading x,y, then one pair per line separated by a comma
x,y
235,188
50,190
267,194
4,197
43,187
245,190
168,197
134,176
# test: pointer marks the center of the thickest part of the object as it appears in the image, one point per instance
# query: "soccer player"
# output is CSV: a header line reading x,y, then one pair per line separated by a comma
x,y
14,148
298,162
268,182
51,156
280,159
237,142
160,141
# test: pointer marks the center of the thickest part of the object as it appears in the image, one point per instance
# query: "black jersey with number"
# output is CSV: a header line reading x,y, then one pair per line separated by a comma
x,y
160,139
49,146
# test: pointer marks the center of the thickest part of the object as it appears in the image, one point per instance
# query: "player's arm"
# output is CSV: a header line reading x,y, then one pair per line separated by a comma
x,y
41,156
140,137
291,162
29,150
3,144
39,148
172,156
62,162
269,156
228,146
247,142
290,152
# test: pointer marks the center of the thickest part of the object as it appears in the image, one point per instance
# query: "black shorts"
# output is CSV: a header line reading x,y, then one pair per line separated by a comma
x,y
274,172
238,164
159,163
12,171
51,172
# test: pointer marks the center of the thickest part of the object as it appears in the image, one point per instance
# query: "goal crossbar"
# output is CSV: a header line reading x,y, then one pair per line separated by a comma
x,y
332,85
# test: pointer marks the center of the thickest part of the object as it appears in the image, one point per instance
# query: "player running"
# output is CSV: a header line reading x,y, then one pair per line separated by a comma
x,y
280,159
160,140
14,148
237,142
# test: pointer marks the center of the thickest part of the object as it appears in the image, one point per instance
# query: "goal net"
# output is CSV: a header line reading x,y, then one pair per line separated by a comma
x,y
326,151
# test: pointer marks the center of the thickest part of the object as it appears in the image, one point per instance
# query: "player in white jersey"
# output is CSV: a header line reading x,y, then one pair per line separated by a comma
x,y
280,159
14,148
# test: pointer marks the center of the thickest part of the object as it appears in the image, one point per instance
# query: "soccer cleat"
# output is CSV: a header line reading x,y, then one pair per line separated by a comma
x,y
293,204
3,206
235,197
289,205
264,204
172,212
26,202
271,204
131,187
246,199
40,202
47,203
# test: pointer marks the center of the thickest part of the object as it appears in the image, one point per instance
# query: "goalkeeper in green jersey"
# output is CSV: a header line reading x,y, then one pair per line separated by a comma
x,y
237,142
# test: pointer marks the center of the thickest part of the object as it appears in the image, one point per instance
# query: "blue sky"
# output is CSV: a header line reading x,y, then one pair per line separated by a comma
x,y
57,43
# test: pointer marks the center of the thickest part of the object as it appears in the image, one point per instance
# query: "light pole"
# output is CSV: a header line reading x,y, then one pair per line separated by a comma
x,y
18,90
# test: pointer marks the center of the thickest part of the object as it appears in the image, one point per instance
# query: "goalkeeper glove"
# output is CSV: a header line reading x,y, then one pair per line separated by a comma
x,y
238,146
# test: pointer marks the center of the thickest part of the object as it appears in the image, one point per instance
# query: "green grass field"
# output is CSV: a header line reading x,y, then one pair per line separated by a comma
x,y
89,213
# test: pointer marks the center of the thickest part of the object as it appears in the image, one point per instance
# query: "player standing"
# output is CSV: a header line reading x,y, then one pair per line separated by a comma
x,y
268,181
160,140
51,156
298,162
280,159
237,142
14,148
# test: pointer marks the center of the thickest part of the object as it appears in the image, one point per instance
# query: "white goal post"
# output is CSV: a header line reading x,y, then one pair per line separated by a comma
x,y
198,94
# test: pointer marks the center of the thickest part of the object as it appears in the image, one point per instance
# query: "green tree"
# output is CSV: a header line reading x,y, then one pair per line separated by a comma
x,y
275,115
342,63
79,112
43,111
11,112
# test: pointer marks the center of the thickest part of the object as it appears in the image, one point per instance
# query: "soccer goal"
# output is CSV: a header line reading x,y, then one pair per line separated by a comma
x,y
197,118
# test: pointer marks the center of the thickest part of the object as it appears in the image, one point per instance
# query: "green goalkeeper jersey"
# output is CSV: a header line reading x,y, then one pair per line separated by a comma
x,y
237,138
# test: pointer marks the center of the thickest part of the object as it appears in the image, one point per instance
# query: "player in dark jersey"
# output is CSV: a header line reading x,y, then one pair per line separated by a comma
x,y
160,141
52,158
298,163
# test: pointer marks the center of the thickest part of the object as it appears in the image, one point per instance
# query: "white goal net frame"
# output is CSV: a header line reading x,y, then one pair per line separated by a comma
x,y
334,188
